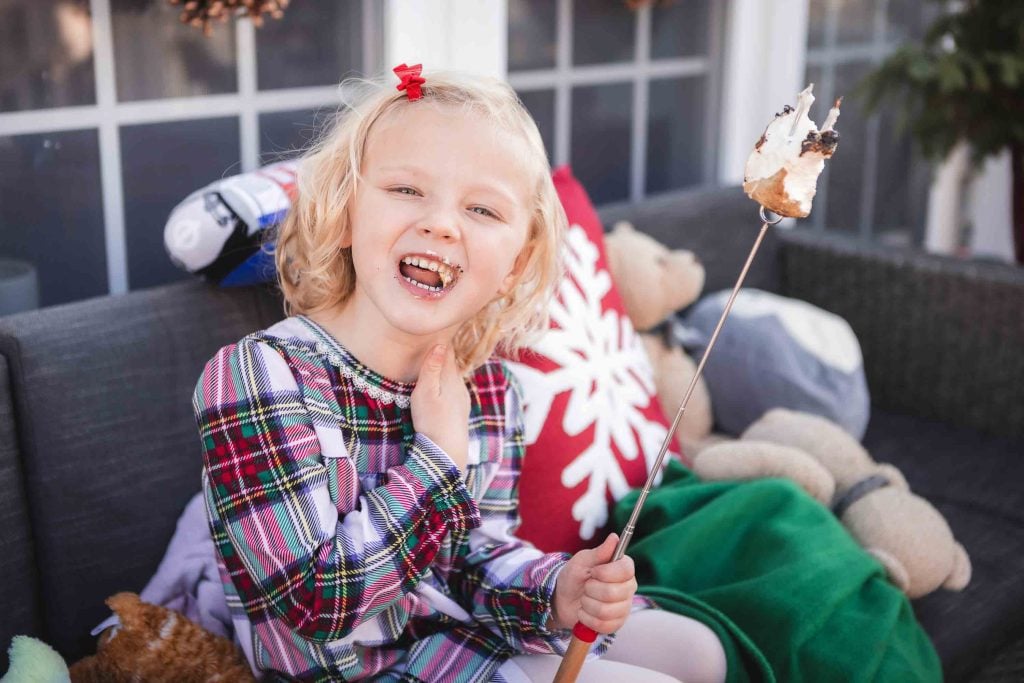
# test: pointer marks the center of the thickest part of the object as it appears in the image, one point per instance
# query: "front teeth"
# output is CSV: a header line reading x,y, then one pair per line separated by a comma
x,y
423,286
444,270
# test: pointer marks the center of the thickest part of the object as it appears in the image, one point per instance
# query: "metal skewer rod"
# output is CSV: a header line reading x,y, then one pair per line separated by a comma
x,y
582,636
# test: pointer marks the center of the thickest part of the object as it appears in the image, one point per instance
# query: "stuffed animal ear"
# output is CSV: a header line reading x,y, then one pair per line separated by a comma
x,y
124,605
961,574
895,477
893,567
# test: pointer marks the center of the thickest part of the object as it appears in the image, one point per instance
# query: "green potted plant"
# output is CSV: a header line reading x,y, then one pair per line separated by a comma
x,y
964,82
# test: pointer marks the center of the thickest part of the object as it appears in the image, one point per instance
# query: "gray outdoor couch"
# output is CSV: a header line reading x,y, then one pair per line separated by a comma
x,y
99,452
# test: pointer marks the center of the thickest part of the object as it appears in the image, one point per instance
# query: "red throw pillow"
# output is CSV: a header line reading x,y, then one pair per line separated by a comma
x,y
593,423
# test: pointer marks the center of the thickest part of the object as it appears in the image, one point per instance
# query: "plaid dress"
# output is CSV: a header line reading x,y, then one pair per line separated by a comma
x,y
348,544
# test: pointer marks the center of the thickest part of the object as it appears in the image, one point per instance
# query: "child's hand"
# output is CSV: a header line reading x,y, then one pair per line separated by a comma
x,y
595,591
440,404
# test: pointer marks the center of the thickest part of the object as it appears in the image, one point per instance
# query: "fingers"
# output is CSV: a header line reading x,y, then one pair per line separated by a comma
x,y
611,591
615,572
603,553
433,364
605,611
603,617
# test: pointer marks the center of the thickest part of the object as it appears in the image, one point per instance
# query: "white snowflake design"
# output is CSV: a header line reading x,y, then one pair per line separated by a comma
x,y
603,364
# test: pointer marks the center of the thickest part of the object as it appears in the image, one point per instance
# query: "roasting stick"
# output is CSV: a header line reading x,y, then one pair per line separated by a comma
x,y
583,636
780,175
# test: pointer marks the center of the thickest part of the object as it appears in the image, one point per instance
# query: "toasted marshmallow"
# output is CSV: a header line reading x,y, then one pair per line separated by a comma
x,y
782,172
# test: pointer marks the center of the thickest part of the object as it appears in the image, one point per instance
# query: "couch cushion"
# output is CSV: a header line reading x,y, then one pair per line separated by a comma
x,y
777,352
111,455
942,337
18,591
593,424
975,481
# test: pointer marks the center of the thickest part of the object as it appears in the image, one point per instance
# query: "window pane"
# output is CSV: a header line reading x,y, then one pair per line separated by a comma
x,y
675,133
162,163
315,43
600,140
46,56
51,212
603,31
816,14
157,56
541,105
286,134
895,191
856,21
845,179
908,19
680,29
531,34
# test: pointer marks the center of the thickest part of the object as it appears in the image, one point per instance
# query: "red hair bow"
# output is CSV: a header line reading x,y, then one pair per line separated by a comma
x,y
411,79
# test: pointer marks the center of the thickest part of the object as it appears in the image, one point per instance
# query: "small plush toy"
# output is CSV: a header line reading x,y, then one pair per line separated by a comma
x,y
158,645
33,661
903,531
655,282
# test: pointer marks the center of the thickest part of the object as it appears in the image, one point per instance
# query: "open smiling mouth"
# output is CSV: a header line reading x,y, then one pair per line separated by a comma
x,y
428,273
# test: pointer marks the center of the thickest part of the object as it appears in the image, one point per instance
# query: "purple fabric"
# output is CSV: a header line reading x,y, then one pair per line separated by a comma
x,y
187,580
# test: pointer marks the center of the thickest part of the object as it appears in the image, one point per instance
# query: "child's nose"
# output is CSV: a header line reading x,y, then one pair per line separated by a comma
x,y
445,230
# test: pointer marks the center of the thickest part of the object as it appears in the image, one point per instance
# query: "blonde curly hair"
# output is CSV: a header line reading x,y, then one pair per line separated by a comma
x,y
315,273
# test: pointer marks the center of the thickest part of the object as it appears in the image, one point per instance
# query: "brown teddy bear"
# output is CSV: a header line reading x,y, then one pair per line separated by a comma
x,y
901,530
158,645
654,282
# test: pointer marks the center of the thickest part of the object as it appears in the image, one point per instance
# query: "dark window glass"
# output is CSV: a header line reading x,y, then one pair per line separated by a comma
x,y
816,16
51,212
156,56
314,43
680,29
46,54
675,133
908,19
603,31
846,169
896,193
541,105
601,124
286,134
531,34
162,163
856,21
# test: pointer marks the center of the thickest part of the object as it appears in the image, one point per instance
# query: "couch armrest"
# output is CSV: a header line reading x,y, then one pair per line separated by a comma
x,y
942,338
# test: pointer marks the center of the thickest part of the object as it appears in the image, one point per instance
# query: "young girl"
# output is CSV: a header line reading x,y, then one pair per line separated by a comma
x,y
362,530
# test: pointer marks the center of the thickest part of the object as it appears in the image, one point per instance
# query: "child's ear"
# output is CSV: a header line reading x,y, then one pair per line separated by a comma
x,y
517,270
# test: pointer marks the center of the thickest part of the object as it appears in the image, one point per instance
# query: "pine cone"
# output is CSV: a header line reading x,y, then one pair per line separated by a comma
x,y
202,13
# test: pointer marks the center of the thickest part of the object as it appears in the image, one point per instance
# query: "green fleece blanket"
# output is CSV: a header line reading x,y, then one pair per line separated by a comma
x,y
788,591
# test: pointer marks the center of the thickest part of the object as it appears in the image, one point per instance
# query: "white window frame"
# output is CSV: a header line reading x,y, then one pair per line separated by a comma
x,y
638,72
108,115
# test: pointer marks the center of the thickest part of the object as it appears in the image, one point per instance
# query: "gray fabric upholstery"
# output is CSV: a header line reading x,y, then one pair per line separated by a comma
x,y
107,438
941,338
19,593
975,482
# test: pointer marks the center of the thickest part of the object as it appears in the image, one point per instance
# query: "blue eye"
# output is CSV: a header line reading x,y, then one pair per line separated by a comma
x,y
484,212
